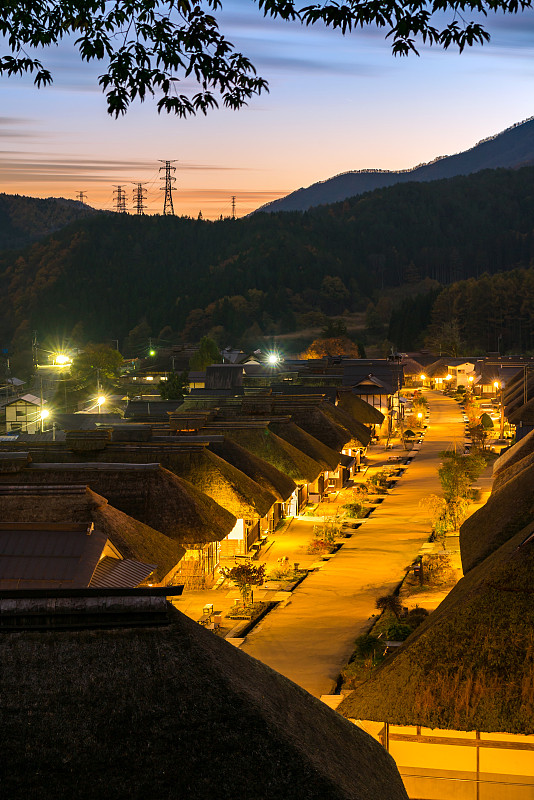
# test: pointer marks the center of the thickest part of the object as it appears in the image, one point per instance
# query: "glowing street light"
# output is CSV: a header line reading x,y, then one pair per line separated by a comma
x,y
100,402
273,359
45,413
423,377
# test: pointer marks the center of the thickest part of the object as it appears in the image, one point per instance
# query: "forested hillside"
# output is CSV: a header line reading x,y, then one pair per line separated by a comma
x,y
512,148
267,273
26,219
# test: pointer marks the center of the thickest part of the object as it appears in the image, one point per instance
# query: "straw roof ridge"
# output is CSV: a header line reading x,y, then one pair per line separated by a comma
x,y
459,670
506,512
359,409
276,482
173,709
292,433
276,451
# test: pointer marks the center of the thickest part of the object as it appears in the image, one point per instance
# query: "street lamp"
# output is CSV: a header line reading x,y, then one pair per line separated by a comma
x,y
420,417
496,385
45,413
273,359
100,402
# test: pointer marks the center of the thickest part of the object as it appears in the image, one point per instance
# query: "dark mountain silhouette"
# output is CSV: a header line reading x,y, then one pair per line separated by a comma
x,y
24,220
511,149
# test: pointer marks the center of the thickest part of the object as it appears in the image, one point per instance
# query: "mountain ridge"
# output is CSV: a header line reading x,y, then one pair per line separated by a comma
x,y
511,148
25,219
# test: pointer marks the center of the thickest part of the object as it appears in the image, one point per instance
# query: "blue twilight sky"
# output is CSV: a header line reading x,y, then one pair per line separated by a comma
x,y
335,104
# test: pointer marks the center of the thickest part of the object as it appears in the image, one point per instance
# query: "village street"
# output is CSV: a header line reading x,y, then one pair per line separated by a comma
x,y
311,638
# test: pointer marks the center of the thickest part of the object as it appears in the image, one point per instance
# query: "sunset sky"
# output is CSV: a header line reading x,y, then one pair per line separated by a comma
x,y
335,104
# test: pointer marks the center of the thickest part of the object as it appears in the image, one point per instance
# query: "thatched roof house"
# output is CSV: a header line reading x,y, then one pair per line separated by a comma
x,y
154,706
324,455
355,431
228,486
273,480
256,437
509,508
147,492
358,409
56,503
524,447
470,665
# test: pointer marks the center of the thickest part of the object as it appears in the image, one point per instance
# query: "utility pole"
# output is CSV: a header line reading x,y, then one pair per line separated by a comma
x,y
233,206
81,197
168,208
120,200
139,195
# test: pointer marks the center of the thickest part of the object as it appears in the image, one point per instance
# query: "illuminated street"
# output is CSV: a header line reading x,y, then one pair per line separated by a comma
x,y
311,638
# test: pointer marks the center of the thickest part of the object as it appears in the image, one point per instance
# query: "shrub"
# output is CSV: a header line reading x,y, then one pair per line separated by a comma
x,y
356,510
398,632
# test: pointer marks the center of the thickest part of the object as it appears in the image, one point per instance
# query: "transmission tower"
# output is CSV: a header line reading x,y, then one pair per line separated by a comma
x,y
120,200
233,206
139,195
82,197
168,208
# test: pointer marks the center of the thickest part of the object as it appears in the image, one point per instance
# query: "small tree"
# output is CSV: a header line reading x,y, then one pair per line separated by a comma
x,y
391,603
245,576
97,364
176,385
207,353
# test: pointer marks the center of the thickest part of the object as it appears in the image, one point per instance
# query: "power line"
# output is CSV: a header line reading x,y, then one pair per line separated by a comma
x,y
120,200
139,196
82,197
233,206
168,208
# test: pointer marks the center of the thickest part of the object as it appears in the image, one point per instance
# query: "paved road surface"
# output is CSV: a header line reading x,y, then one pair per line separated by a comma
x,y
311,638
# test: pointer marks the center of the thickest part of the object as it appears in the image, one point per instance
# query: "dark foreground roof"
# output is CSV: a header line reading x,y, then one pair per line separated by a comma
x,y
469,666
165,709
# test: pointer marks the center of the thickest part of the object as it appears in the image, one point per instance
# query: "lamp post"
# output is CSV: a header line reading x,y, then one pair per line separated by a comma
x,y
500,385
45,413
100,402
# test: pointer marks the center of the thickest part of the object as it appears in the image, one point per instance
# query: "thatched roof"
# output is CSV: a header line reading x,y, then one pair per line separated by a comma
x,y
167,709
524,413
358,409
223,482
133,539
147,492
524,447
508,509
470,665
287,430
265,444
273,480
355,431
412,367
